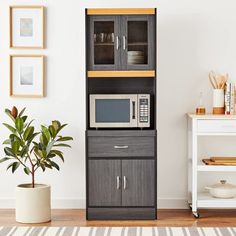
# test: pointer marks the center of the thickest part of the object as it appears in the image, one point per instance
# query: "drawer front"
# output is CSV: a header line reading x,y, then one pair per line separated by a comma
x,y
121,146
216,126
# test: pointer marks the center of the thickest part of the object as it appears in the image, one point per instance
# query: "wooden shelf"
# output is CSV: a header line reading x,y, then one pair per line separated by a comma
x,y
148,73
121,11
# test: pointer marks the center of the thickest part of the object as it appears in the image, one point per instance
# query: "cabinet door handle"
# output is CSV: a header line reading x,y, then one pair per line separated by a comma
x,y
117,43
118,182
121,147
125,182
124,43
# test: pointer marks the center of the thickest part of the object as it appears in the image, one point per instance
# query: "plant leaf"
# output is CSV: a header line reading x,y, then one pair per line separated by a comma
x,y
15,166
27,170
66,138
15,147
49,146
5,159
9,152
61,145
58,153
24,118
8,112
22,111
52,131
19,123
61,127
54,164
56,125
28,132
46,132
7,141
12,129
43,139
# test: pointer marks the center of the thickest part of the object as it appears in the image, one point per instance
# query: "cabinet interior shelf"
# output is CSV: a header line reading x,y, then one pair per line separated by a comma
x,y
138,73
138,44
104,44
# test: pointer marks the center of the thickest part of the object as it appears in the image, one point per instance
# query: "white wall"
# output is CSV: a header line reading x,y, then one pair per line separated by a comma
x,y
193,38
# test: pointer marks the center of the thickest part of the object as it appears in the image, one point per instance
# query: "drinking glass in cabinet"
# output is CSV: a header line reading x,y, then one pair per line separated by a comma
x,y
104,42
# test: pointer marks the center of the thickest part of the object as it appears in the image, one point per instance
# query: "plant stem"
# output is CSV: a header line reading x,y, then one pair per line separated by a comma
x,y
33,176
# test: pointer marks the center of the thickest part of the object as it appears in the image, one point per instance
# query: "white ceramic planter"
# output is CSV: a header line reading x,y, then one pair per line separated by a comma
x,y
33,205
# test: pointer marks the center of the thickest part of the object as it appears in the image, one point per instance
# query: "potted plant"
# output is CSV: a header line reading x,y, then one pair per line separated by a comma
x,y
33,151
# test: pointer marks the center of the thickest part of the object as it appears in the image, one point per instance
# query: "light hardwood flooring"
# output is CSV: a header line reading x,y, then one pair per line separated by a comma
x,y
76,217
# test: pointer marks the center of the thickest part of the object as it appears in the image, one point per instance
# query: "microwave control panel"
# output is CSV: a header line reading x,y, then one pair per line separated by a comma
x,y
144,110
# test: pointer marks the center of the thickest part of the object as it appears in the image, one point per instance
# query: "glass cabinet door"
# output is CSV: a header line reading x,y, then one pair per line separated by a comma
x,y
138,42
104,44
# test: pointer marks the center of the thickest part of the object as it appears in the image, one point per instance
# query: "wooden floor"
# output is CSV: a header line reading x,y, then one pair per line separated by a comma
x,y
165,218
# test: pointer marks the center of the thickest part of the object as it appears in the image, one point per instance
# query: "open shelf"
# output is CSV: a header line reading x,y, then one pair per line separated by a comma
x,y
206,200
211,168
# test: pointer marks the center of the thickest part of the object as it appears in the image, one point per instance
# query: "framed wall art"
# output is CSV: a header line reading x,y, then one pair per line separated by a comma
x,y
26,26
27,76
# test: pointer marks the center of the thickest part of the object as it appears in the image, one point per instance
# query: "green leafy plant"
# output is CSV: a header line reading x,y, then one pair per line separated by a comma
x,y
32,150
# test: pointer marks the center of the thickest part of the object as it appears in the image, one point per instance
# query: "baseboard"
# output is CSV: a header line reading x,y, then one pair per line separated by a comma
x,y
172,203
163,203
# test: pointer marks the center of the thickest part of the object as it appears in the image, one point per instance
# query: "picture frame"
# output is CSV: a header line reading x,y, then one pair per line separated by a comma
x,y
27,27
27,77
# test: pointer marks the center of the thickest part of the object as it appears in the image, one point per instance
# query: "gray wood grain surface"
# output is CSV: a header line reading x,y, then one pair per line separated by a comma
x,y
121,146
140,180
102,180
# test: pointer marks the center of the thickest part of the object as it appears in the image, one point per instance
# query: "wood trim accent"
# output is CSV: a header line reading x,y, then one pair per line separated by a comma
x,y
43,26
43,78
141,73
121,11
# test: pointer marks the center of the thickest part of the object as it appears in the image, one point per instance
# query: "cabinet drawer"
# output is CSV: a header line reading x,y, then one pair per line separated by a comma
x,y
215,126
121,146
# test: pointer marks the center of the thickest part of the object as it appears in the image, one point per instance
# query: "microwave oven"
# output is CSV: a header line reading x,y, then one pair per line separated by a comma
x,y
119,110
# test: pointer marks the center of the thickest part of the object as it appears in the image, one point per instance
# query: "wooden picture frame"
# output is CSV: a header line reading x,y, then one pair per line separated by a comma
x,y
23,77
27,27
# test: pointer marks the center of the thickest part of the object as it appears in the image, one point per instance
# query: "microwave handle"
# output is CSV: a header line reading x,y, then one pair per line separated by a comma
x,y
133,109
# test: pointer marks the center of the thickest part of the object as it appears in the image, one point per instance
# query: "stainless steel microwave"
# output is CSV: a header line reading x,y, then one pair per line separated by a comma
x,y
119,110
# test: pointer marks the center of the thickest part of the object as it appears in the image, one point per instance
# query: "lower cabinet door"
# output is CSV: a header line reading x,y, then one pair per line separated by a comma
x,y
138,177
104,180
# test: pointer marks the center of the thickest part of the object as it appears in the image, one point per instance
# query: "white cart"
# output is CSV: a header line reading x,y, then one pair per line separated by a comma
x,y
206,125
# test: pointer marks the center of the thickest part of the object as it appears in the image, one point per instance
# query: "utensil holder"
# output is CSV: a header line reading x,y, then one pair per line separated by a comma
x,y
218,101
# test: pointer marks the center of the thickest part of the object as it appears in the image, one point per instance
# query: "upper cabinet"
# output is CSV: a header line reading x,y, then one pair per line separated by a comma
x,y
121,42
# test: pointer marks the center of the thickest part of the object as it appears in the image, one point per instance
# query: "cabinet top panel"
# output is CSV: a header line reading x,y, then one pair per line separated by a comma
x,y
121,11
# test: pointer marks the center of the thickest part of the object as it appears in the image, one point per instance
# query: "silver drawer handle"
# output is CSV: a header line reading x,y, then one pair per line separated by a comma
x,y
121,147
118,182
125,182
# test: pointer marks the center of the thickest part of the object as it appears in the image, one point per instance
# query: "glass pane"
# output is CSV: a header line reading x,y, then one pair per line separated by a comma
x,y
112,110
104,42
137,42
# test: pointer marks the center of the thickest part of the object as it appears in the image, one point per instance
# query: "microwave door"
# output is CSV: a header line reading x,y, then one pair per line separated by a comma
x,y
113,110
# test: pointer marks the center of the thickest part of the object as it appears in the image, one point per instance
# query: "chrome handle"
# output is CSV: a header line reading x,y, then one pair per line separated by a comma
x,y
125,182
124,43
117,43
121,147
118,182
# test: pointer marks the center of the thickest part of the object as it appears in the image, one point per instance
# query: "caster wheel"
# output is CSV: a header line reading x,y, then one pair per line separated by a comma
x,y
190,206
196,215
